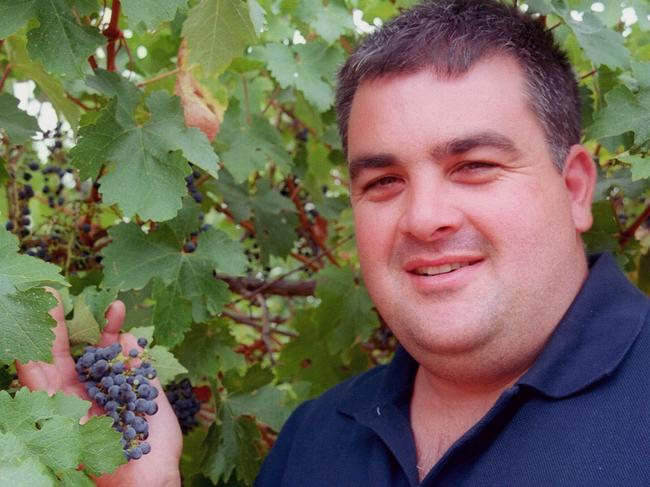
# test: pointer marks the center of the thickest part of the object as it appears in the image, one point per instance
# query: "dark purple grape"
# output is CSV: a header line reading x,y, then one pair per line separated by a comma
x,y
184,403
9,225
142,342
124,393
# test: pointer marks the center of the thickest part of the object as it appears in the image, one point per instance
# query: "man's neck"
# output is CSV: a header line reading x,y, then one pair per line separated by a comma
x,y
442,411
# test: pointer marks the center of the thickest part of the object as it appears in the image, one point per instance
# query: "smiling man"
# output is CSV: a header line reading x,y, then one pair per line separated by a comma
x,y
518,357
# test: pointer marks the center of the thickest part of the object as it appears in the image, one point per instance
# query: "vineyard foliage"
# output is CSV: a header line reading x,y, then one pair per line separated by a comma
x,y
183,156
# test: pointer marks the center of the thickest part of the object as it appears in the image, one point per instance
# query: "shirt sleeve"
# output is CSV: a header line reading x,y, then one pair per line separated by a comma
x,y
275,464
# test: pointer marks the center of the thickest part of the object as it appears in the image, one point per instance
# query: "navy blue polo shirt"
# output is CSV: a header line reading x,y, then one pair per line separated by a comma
x,y
580,416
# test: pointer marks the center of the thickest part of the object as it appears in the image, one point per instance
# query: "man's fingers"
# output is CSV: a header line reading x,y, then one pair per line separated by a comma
x,y
114,320
61,346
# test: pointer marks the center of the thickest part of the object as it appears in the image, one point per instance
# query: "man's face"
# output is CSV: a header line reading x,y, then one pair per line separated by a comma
x,y
467,234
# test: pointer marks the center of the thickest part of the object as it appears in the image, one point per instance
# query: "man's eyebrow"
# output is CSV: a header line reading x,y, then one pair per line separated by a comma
x,y
460,145
449,148
374,161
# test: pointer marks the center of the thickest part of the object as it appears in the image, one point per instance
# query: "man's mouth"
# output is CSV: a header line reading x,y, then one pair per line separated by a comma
x,y
436,270
440,269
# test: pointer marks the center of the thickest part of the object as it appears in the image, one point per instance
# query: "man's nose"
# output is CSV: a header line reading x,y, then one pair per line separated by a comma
x,y
430,211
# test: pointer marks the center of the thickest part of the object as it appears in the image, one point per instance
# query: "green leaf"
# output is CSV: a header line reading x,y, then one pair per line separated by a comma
x,y
642,74
640,165
150,161
18,126
267,404
346,306
625,112
45,442
22,272
47,432
59,41
332,21
134,258
14,14
50,85
18,468
167,366
101,451
83,327
249,144
151,12
25,325
172,313
217,31
307,67
601,45
74,478
207,349
274,215
229,447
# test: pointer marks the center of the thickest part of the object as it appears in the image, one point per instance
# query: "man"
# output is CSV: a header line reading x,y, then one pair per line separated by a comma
x,y
518,362
461,124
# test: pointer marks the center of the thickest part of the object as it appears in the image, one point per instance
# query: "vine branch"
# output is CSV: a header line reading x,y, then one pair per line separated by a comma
x,y
629,232
113,34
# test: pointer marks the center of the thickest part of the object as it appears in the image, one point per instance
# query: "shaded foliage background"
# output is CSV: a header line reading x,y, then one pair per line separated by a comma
x,y
182,155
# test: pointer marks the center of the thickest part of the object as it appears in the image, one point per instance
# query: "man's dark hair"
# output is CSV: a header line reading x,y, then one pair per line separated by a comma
x,y
449,37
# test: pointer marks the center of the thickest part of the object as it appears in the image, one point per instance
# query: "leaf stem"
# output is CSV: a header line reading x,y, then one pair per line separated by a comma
x,y
79,103
554,26
590,73
4,75
158,77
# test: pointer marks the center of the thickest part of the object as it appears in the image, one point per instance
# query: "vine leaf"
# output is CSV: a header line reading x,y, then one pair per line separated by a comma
x,y
167,366
149,161
83,327
640,165
346,306
18,126
25,326
59,41
307,67
36,425
274,216
249,145
50,85
217,31
134,258
151,12
601,45
14,14
332,21
208,349
230,447
625,112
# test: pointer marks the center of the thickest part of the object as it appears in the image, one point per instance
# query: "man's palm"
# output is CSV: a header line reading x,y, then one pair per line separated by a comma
x,y
158,468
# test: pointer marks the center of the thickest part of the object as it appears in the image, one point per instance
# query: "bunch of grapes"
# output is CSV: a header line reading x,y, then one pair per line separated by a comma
x,y
125,393
184,403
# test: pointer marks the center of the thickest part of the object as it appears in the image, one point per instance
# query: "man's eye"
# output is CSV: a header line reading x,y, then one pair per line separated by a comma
x,y
476,166
382,182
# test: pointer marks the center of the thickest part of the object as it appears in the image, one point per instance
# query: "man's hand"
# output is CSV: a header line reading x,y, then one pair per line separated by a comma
x,y
158,468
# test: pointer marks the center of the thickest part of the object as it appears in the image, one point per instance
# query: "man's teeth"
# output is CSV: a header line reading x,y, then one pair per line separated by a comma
x,y
435,270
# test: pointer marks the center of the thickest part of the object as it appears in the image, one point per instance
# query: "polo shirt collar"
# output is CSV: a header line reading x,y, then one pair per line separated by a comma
x,y
588,344
595,334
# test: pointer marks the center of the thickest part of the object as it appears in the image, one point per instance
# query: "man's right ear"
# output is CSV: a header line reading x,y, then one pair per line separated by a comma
x,y
580,177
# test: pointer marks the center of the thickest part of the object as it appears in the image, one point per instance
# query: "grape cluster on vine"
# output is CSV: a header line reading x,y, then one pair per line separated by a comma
x,y
124,392
184,403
